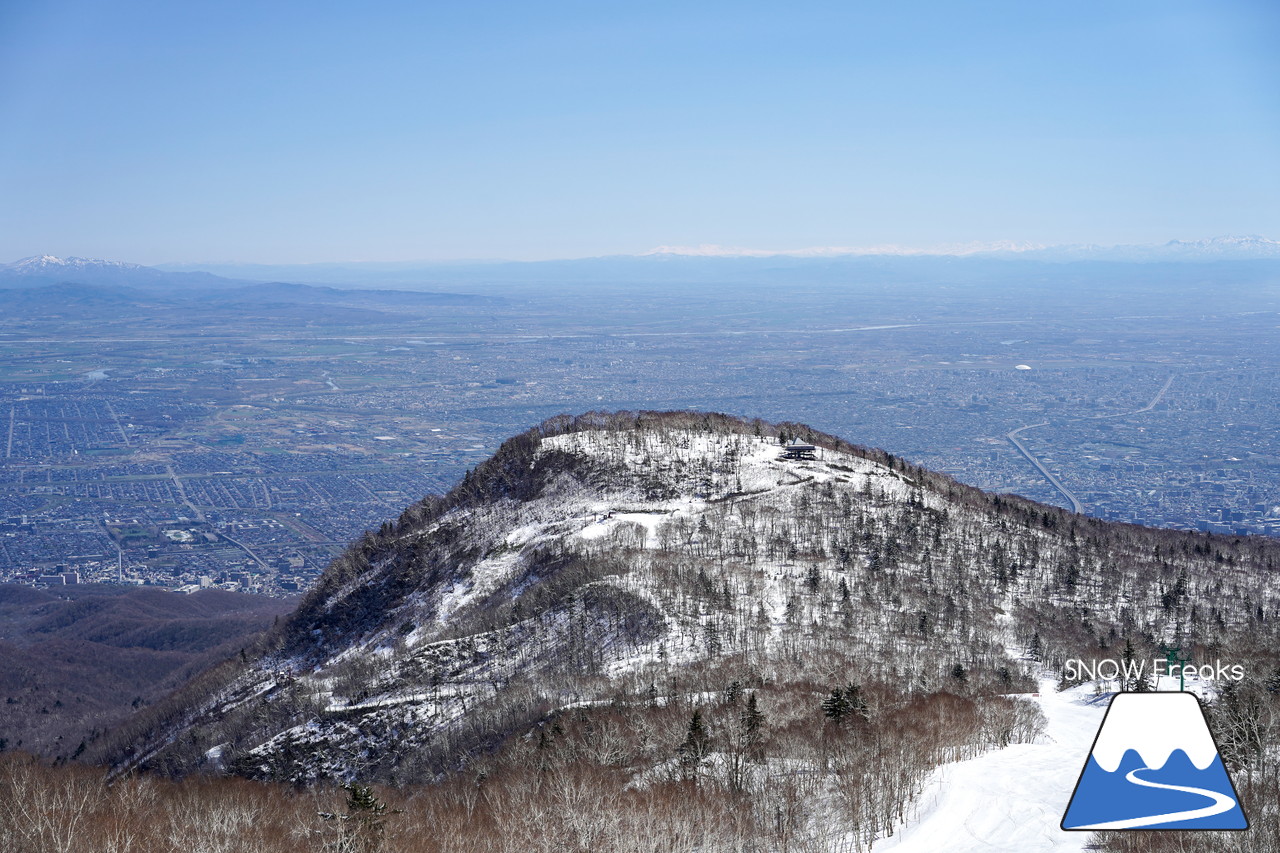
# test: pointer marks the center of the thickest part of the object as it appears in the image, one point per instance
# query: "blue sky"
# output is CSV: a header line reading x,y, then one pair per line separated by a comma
x,y
292,132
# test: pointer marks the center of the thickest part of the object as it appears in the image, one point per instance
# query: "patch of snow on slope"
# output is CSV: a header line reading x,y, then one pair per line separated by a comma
x,y
756,462
1011,799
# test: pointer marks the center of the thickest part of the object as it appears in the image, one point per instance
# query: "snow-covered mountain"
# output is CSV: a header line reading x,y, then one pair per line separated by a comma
x,y
1000,262
669,598
702,263
1227,248
39,270
1251,247
45,264
710,250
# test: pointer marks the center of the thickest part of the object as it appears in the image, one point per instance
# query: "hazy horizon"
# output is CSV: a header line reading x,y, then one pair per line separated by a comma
x,y
1243,243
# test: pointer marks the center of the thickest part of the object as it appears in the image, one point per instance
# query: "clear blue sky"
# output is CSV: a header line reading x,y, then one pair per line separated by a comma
x,y
221,130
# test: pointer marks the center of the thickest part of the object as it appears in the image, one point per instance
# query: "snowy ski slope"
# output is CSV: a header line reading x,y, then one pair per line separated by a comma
x,y
1011,799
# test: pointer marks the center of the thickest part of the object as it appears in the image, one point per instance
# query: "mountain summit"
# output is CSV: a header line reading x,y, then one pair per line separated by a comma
x,y
654,565
39,270
44,264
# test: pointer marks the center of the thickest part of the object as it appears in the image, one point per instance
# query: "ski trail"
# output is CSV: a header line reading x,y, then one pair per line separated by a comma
x,y
1221,803
1008,800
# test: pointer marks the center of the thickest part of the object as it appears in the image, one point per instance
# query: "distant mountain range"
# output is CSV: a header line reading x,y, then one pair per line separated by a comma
x,y
707,264
1249,247
48,286
719,264
47,269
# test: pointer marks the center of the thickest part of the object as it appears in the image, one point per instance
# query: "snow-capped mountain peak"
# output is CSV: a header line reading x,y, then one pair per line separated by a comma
x,y
708,250
1228,244
49,263
1217,248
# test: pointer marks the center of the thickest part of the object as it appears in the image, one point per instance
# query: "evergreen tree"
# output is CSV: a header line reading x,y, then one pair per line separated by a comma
x,y
752,721
363,828
1130,682
835,706
844,703
697,743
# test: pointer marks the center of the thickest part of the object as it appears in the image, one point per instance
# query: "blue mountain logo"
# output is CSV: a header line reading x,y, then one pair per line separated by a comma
x,y
1154,765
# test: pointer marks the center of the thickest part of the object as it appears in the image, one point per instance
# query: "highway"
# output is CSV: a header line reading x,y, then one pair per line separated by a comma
x,y
1012,435
1076,505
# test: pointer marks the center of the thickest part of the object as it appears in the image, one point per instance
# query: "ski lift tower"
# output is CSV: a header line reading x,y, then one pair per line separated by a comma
x,y
1175,657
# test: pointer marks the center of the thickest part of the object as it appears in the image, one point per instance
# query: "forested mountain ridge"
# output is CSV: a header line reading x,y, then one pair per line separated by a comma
x,y
654,569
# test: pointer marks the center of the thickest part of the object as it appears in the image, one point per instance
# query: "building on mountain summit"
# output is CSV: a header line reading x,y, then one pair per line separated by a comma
x,y
796,450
